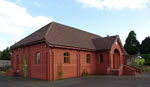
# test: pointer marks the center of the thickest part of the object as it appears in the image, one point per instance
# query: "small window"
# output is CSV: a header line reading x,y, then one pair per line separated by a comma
x,y
18,49
66,57
88,59
37,58
101,59
17,58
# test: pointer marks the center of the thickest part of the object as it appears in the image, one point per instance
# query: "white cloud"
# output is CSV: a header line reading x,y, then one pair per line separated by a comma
x,y
15,21
115,4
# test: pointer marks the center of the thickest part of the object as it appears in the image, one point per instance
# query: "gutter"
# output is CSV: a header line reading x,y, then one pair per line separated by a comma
x,y
26,44
72,48
52,63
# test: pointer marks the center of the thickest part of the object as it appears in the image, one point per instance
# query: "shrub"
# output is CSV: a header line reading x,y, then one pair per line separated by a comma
x,y
142,68
84,73
139,61
147,58
25,67
60,75
3,72
147,69
60,72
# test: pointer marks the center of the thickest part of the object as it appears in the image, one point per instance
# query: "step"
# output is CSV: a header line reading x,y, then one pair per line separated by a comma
x,y
114,72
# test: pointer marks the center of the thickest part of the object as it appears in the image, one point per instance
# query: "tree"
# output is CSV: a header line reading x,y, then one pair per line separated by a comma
x,y
5,54
145,46
132,45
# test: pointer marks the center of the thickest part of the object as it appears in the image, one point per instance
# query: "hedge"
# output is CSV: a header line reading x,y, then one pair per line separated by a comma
x,y
147,58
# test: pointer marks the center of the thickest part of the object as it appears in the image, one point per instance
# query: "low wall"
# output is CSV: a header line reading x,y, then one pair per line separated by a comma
x,y
127,70
137,69
120,72
130,60
4,63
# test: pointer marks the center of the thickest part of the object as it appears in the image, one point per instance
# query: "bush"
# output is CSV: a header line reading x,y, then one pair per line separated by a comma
x,y
147,69
84,73
25,67
142,68
60,75
139,61
147,58
3,72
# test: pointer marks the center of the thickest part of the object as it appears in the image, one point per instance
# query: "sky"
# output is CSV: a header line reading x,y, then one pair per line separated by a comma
x,y
20,18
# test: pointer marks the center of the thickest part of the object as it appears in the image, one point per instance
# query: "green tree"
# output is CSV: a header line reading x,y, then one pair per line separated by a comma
x,y
5,54
145,46
132,45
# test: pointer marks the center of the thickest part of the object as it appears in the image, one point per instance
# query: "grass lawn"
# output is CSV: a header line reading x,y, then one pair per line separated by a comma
x,y
3,72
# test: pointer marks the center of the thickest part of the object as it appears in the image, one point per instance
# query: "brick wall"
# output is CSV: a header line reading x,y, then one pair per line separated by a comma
x,y
74,68
89,67
52,61
102,67
34,70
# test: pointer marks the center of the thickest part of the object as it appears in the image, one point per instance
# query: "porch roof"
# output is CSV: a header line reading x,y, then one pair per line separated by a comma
x,y
105,43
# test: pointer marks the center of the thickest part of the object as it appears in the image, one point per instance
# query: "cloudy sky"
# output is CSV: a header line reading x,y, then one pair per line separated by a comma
x,y
19,18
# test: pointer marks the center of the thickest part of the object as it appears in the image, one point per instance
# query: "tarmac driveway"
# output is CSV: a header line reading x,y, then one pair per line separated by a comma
x,y
89,81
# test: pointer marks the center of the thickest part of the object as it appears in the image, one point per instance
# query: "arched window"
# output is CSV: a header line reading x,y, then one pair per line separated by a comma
x,y
101,59
88,58
66,57
37,57
17,59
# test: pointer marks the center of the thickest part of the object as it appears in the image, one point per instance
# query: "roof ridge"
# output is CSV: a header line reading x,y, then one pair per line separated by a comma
x,y
50,27
76,28
114,41
111,36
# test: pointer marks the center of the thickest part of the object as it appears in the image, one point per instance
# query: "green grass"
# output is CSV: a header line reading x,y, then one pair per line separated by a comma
x,y
3,72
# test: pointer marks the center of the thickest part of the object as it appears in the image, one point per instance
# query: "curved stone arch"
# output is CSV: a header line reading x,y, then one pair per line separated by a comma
x,y
117,51
116,48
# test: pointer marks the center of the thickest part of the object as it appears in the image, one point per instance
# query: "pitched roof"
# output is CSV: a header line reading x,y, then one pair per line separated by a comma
x,y
104,43
68,36
58,34
36,36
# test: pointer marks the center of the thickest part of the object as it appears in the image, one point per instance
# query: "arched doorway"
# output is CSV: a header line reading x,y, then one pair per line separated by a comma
x,y
116,59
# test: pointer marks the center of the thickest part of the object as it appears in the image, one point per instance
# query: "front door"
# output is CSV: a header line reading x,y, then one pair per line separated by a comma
x,y
116,59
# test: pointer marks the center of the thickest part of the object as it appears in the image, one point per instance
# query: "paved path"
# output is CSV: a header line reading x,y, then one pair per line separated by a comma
x,y
89,81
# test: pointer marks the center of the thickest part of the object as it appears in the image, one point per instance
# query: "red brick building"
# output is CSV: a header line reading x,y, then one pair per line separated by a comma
x,y
59,48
